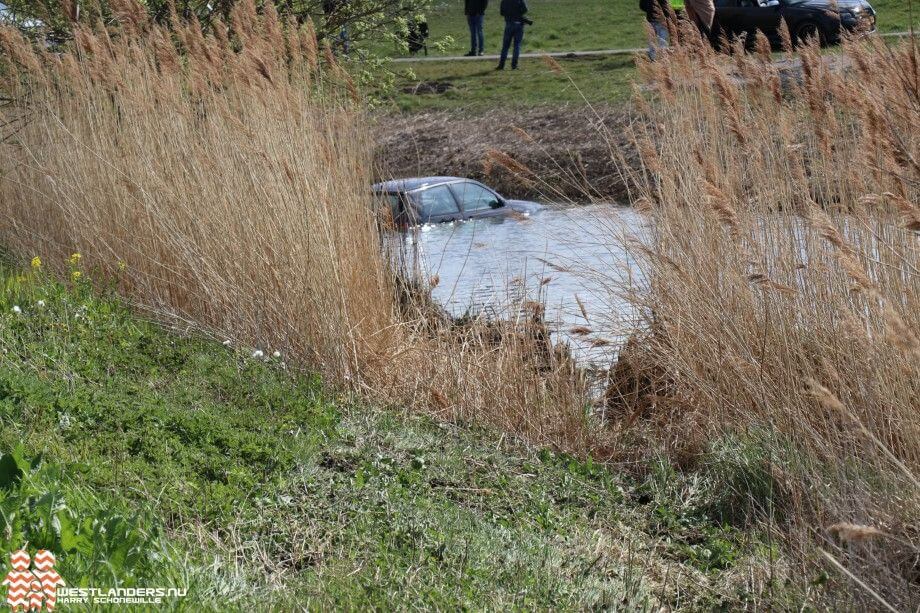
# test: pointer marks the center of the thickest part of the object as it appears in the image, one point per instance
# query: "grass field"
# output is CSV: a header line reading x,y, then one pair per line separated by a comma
x,y
254,487
477,85
561,25
895,15
587,25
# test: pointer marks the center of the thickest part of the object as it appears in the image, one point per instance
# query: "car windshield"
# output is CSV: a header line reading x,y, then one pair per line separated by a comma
x,y
435,201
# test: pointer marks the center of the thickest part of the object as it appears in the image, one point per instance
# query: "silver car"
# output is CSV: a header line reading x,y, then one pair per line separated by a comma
x,y
422,200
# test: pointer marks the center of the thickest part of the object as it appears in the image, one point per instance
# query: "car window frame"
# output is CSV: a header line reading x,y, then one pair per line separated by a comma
x,y
401,212
455,186
418,208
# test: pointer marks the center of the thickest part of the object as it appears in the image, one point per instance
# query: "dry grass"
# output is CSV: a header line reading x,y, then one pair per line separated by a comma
x,y
227,173
785,286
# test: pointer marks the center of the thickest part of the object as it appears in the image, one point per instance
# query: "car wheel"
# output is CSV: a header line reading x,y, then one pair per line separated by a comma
x,y
807,31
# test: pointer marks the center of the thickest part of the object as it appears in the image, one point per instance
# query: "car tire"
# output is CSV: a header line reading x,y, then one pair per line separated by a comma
x,y
807,30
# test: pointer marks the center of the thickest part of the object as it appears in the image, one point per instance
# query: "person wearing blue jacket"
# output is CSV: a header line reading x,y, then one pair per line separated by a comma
x,y
475,15
514,12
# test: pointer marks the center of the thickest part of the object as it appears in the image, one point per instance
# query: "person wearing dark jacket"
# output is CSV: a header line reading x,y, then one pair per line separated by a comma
x,y
656,13
514,12
475,15
335,14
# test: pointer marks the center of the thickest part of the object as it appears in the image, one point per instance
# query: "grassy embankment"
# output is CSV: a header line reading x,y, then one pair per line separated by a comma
x,y
253,486
560,25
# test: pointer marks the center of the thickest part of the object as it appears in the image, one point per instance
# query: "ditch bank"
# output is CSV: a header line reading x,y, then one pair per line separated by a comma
x,y
560,153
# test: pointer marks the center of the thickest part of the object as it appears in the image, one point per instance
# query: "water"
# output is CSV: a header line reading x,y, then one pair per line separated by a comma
x,y
558,256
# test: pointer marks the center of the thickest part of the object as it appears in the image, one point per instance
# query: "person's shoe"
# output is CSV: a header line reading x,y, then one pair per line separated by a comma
x,y
480,53
470,54
499,67
514,68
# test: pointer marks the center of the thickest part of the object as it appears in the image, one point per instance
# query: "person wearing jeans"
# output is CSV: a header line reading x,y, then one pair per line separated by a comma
x,y
514,12
475,16
656,13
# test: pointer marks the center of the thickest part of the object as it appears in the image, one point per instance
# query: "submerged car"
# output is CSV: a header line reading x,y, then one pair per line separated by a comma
x,y
423,200
825,19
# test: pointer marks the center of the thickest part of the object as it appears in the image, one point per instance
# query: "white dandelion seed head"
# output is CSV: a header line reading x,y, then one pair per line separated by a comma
x,y
258,353
40,303
227,343
16,309
276,354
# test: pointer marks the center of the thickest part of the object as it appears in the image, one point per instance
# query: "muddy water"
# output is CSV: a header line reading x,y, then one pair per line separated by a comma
x,y
558,256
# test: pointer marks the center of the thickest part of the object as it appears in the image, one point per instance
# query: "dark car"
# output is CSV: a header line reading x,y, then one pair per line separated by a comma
x,y
439,199
805,19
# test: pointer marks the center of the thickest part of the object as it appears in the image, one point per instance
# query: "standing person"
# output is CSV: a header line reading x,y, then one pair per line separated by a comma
x,y
513,11
703,14
335,11
656,13
475,15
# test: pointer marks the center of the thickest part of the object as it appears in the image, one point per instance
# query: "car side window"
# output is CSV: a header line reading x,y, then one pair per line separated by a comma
x,y
475,197
436,201
397,210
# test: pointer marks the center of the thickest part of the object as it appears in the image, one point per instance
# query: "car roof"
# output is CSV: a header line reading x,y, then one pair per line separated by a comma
x,y
409,184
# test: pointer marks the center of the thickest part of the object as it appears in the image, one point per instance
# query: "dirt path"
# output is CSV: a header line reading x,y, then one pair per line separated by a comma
x,y
495,56
563,54
572,152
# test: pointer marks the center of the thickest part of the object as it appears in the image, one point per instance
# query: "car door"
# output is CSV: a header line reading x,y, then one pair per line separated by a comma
x,y
728,17
746,17
765,15
436,204
477,200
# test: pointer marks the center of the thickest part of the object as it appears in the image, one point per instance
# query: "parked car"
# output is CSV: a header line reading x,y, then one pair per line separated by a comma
x,y
805,19
439,199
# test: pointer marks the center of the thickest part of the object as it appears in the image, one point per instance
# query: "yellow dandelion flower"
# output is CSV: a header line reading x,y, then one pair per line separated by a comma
x,y
122,266
36,262
75,275
75,259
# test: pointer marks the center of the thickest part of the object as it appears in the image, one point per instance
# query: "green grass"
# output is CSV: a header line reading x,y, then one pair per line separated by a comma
x,y
586,25
477,85
562,25
146,458
559,25
894,15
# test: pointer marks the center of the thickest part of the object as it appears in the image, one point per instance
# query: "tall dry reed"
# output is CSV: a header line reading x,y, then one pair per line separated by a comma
x,y
222,177
784,295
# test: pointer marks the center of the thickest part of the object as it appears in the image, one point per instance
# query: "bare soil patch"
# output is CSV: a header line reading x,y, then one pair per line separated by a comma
x,y
568,151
